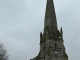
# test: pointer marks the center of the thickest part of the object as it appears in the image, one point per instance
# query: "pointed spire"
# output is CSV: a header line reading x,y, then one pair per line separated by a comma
x,y
50,16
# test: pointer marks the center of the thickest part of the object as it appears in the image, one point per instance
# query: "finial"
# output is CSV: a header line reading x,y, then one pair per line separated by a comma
x,y
40,34
61,31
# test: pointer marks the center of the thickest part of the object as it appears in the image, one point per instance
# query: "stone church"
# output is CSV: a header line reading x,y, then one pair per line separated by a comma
x,y
51,40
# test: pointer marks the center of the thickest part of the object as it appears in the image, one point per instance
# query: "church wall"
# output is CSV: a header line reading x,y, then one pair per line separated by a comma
x,y
57,58
41,59
42,52
47,43
47,57
65,58
59,44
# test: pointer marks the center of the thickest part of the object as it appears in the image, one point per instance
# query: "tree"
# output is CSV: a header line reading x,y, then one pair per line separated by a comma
x,y
3,52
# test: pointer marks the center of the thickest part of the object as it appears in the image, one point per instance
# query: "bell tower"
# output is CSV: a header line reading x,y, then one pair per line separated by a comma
x,y
51,40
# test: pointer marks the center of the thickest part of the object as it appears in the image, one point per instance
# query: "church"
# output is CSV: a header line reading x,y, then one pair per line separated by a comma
x,y
51,40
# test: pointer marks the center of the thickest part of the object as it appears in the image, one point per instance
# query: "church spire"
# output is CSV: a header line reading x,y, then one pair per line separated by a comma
x,y
50,16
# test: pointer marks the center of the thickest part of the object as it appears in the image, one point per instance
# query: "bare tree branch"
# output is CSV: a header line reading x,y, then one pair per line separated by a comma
x,y
3,53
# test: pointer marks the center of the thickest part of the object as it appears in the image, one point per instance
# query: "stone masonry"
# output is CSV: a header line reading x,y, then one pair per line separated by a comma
x,y
51,40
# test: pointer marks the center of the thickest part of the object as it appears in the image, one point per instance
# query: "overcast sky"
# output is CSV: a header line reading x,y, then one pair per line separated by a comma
x,y
21,22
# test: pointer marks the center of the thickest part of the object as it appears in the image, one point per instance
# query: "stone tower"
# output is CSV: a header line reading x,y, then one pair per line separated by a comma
x,y
51,40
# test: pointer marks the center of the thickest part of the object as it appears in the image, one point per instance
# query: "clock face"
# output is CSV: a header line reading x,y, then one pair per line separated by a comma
x,y
55,52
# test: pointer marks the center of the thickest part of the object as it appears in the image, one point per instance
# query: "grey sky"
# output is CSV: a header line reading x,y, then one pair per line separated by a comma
x,y
21,22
